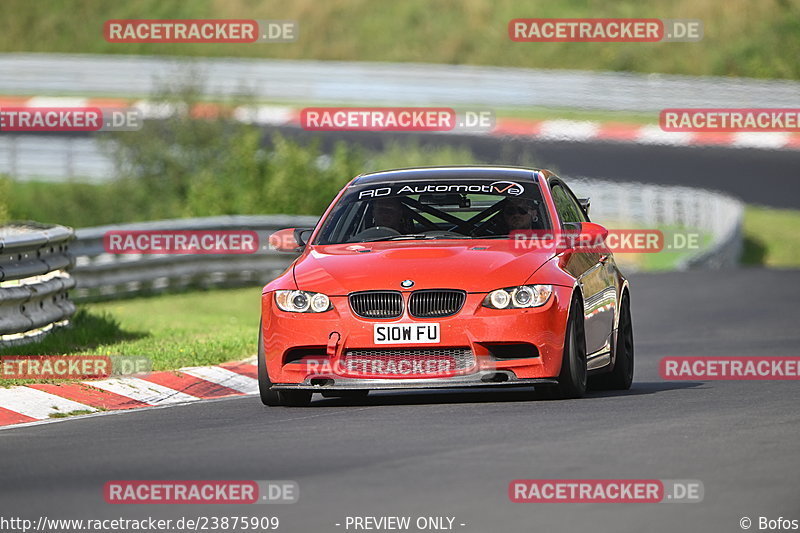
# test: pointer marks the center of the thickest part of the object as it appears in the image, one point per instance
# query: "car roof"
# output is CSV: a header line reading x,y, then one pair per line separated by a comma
x,y
448,173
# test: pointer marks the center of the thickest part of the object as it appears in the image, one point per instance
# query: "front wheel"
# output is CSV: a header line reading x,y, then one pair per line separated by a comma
x,y
573,376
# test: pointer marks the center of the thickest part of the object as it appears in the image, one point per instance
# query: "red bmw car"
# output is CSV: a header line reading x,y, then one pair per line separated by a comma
x,y
446,277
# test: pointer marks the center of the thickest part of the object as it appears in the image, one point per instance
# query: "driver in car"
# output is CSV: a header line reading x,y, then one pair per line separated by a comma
x,y
389,213
520,214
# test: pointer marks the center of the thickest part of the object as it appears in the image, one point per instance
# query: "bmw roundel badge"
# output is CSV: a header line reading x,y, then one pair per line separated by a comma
x,y
407,283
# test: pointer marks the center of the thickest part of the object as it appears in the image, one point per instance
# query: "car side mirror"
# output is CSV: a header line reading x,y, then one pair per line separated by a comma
x,y
595,233
585,204
286,240
584,236
301,235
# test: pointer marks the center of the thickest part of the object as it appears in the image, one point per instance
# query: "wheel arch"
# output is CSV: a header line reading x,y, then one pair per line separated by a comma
x,y
624,289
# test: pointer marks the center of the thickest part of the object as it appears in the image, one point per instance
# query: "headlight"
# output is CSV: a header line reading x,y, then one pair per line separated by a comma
x,y
518,297
302,301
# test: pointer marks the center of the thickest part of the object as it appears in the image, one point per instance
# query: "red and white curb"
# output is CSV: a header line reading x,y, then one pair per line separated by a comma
x,y
545,130
46,401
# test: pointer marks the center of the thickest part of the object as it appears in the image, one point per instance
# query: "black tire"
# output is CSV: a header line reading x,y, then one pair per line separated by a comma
x,y
295,398
573,377
621,377
269,397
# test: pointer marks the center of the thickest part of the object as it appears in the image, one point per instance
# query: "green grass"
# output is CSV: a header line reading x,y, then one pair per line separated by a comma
x,y
72,413
667,259
676,247
174,330
741,37
556,113
772,237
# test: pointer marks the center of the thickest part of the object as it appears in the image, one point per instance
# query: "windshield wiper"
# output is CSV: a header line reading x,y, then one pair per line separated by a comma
x,y
406,236
423,236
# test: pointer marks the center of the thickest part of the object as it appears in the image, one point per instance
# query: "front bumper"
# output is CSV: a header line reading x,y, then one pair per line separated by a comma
x,y
476,328
483,378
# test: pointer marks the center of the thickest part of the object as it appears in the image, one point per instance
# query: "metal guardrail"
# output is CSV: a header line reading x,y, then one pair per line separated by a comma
x,y
711,213
367,83
34,259
54,158
101,275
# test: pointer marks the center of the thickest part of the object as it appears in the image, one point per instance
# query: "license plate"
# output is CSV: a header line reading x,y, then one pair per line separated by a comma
x,y
427,333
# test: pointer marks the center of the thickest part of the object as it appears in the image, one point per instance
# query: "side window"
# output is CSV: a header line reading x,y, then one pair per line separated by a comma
x,y
582,216
568,209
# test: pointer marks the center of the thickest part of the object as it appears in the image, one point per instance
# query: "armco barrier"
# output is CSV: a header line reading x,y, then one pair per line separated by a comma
x,y
101,275
711,213
33,281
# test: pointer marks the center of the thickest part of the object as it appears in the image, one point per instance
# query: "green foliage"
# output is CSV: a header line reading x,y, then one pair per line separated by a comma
x,y
5,193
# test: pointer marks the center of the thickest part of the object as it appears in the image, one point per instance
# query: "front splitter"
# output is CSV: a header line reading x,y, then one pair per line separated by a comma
x,y
492,378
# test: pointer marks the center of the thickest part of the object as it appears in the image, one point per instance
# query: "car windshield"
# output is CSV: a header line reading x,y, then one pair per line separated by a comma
x,y
453,209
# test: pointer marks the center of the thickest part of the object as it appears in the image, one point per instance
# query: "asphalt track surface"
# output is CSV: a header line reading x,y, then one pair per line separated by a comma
x,y
454,453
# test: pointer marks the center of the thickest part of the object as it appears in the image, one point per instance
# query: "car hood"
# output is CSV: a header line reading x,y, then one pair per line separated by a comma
x,y
474,266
